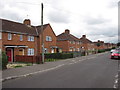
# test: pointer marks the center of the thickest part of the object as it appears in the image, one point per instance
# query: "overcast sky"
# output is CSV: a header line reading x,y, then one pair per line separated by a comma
x,y
97,19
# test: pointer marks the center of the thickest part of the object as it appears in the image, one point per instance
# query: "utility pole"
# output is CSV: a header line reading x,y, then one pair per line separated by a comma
x,y
42,34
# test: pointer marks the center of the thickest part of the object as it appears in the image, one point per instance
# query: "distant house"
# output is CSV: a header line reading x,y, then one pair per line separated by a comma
x,y
25,39
68,42
87,44
49,39
101,45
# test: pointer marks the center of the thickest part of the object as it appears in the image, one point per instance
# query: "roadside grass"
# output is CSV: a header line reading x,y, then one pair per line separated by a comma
x,y
17,65
51,60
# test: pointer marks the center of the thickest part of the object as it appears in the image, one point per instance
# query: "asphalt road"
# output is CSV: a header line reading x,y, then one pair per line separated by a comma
x,y
97,71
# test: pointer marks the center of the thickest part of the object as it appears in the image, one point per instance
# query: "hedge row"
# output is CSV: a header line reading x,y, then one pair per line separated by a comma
x,y
103,50
3,61
58,55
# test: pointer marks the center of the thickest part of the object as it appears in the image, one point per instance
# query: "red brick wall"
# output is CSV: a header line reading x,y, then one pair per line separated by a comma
x,y
63,45
16,41
47,44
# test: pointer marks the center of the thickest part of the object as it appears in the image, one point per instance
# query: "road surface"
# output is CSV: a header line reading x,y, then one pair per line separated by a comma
x,y
96,71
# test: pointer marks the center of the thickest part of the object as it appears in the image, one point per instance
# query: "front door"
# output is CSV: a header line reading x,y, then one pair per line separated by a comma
x,y
10,54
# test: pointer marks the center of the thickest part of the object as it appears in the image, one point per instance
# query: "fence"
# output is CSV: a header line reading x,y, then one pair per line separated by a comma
x,y
29,59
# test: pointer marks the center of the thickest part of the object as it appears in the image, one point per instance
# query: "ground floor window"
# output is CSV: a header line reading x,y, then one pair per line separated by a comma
x,y
52,50
46,50
0,51
30,51
70,49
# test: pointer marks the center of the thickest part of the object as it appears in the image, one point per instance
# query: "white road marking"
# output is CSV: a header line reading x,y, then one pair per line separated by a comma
x,y
114,86
116,81
116,76
73,60
70,63
92,57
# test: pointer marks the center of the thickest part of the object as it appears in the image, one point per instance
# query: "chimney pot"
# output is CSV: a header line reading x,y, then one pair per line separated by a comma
x,y
27,22
67,31
84,36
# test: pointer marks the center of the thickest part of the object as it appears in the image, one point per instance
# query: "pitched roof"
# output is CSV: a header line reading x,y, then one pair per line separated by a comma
x,y
15,27
65,36
85,40
39,28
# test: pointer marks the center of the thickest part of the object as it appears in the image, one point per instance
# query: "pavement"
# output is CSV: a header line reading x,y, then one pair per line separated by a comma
x,y
13,73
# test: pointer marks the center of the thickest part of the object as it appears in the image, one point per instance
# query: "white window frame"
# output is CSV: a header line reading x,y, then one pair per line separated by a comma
x,y
9,36
73,42
46,50
21,37
0,51
0,35
48,38
30,51
30,38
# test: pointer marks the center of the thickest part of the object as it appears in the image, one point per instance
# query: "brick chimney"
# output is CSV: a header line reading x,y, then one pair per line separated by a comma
x,y
98,40
67,31
27,22
84,36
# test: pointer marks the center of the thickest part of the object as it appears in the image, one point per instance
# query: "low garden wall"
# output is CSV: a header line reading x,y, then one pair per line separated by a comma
x,y
28,59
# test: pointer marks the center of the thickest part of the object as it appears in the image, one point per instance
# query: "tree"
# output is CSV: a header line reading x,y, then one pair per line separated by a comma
x,y
118,44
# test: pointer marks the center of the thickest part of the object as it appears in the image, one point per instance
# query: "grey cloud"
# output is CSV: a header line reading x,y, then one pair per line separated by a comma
x,y
113,4
57,16
106,31
11,16
94,21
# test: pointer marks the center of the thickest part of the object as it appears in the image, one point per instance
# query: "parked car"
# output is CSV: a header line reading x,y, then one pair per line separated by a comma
x,y
113,50
115,55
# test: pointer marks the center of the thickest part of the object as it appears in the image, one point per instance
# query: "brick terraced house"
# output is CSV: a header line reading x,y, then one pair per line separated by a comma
x,y
87,44
25,39
101,45
68,42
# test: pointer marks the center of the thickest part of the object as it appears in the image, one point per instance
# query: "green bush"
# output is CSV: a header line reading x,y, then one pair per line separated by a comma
x,y
58,55
107,49
101,50
3,61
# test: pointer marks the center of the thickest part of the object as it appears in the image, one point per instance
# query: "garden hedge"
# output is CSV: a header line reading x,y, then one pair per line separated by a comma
x,y
58,55
3,61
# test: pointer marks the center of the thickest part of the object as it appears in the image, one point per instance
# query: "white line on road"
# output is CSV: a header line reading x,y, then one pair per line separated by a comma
x,y
70,63
92,57
116,81
116,76
114,86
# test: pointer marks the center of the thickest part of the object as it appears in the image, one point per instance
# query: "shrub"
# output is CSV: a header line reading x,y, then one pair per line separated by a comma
x,y
101,50
107,49
3,60
58,55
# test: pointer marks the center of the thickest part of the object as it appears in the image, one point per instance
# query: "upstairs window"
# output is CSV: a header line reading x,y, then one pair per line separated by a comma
x,y
70,42
0,35
80,42
48,38
30,38
21,37
73,42
9,36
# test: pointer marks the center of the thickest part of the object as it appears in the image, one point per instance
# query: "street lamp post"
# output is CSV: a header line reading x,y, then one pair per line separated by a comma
x,y
42,33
